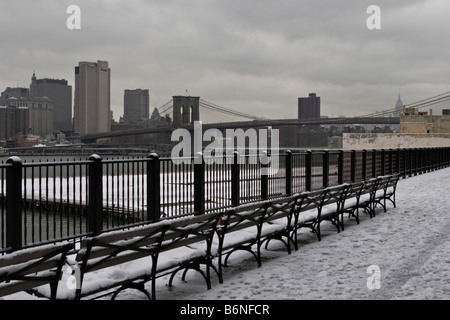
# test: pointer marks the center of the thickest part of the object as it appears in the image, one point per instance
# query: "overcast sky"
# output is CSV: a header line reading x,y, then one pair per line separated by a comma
x,y
255,56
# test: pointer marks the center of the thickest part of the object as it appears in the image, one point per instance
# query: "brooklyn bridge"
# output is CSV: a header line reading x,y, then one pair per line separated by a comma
x,y
183,111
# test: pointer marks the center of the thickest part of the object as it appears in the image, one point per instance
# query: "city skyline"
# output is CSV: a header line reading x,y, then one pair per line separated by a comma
x,y
255,57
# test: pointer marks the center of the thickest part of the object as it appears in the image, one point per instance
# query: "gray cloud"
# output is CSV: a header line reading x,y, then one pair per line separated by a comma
x,y
255,56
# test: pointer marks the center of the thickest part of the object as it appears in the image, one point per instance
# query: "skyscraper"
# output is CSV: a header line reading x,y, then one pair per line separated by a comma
x,y
398,107
61,95
13,120
309,108
92,107
136,106
40,107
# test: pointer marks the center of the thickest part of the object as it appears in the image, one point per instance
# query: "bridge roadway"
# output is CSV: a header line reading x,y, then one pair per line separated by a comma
x,y
248,124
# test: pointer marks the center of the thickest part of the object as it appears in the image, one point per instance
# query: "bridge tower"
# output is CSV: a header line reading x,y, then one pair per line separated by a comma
x,y
186,110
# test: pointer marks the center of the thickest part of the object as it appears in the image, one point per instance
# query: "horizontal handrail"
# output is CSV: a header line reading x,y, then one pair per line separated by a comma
x,y
69,199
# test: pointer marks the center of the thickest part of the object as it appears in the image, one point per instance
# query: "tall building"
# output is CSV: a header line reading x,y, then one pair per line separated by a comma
x,y
92,103
40,119
13,120
13,93
309,108
136,106
61,95
398,107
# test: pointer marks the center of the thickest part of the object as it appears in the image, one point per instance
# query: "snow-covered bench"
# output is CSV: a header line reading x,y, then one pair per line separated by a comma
x,y
25,269
117,260
317,206
386,190
367,194
248,226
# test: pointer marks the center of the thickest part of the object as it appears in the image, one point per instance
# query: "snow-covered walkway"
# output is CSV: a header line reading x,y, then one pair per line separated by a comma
x,y
408,245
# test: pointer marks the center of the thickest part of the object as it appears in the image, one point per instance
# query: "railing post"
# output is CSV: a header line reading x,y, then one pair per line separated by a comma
x,y
447,156
443,157
404,162
235,179
416,161
199,184
437,159
264,179
14,203
434,159
364,165
341,167
95,204
374,163
153,188
397,163
353,166
308,170
410,162
422,161
288,172
391,161
383,162
326,168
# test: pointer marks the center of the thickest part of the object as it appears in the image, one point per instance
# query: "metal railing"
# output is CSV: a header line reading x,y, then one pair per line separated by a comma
x,y
49,201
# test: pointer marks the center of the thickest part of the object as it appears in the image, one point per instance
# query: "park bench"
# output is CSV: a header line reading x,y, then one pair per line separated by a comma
x,y
248,227
367,194
33,267
316,206
130,258
353,201
367,198
386,190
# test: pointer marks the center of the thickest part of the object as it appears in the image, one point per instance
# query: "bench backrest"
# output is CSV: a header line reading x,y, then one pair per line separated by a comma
x,y
336,195
145,241
318,198
371,186
383,183
281,208
393,182
311,200
355,190
241,217
32,267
